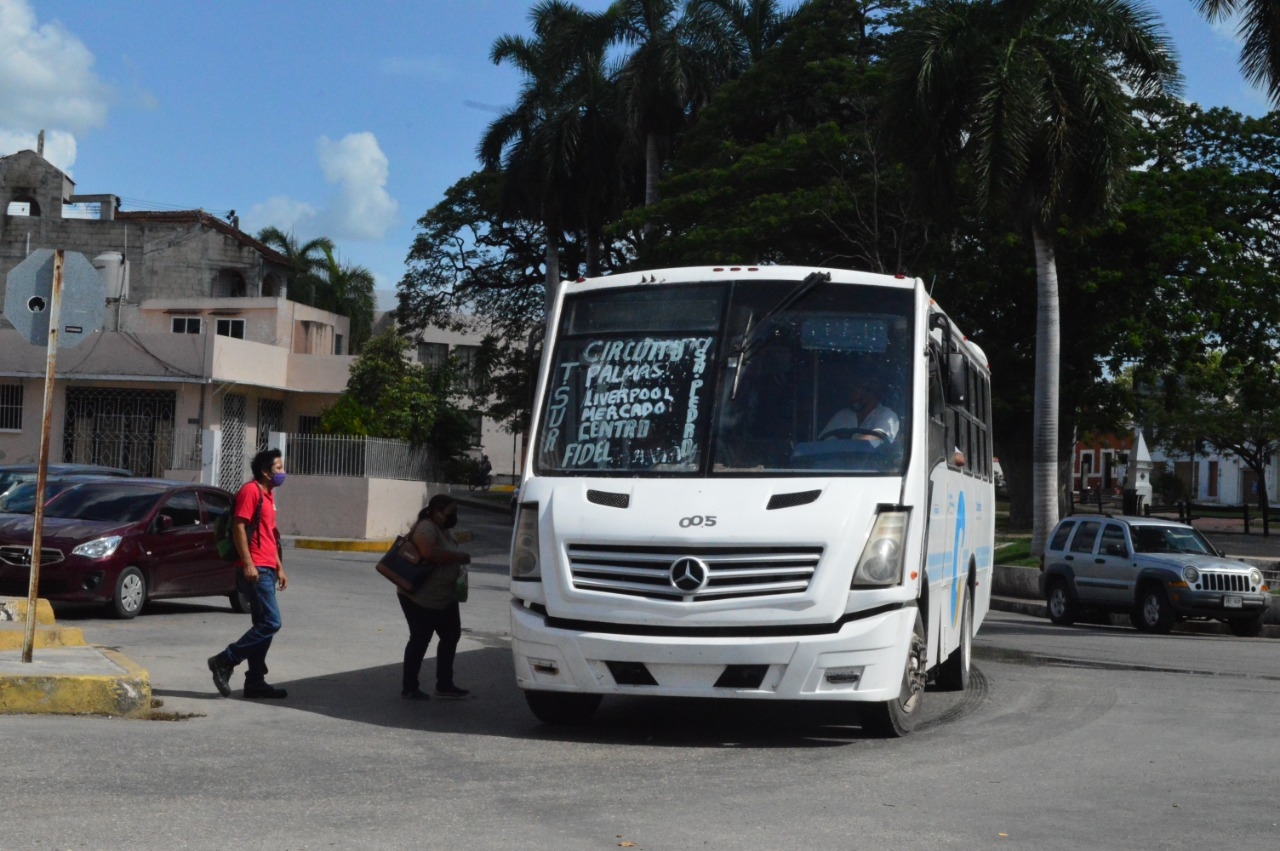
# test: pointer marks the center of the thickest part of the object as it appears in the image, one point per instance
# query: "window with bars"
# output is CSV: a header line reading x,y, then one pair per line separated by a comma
x,y
433,355
476,419
11,407
187,325
466,357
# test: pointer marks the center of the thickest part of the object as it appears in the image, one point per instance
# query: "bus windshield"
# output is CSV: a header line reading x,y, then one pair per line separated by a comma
x,y
742,378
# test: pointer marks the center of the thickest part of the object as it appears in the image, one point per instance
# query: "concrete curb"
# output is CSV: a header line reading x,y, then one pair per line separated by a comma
x,y
65,676
74,681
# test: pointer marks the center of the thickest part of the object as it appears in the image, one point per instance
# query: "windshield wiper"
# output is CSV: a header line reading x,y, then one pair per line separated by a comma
x,y
753,338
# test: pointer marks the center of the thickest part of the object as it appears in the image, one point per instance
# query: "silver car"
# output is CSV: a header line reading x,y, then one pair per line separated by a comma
x,y
1157,571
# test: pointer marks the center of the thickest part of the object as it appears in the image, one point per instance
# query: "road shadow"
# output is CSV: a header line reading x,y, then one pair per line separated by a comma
x,y
497,708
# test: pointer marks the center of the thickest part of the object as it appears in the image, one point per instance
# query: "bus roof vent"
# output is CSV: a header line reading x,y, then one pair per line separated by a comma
x,y
612,500
791,500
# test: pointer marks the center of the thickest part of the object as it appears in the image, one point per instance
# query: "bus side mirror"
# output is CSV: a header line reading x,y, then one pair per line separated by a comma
x,y
957,386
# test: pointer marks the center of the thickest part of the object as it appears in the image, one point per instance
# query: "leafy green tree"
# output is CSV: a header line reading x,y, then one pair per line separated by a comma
x,y
389,396
471,270
786,163
347,289
306,260
1200,234
1260,36
1033,98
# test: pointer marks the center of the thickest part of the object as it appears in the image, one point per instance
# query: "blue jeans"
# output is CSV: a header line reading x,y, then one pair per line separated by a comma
x,y
252,647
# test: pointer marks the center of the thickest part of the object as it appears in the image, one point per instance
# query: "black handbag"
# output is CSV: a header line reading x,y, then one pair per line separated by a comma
x,y
406,574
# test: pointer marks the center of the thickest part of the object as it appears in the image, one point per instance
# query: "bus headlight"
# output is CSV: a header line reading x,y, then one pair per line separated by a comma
x,y
524,545
881,562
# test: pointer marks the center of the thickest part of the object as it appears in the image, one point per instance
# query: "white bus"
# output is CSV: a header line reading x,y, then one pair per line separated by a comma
x,y
753,482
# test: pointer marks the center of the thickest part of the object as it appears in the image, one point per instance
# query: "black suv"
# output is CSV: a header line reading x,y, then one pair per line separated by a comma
x,y
1156,570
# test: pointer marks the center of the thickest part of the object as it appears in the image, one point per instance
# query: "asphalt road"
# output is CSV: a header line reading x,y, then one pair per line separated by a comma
x,y
1089,737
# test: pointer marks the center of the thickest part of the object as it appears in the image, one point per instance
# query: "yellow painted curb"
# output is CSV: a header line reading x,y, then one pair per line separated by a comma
x,y
343,546
462,536
125,694
15,609
14,636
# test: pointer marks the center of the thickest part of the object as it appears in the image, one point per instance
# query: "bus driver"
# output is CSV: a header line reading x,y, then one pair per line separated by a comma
x,y
864,418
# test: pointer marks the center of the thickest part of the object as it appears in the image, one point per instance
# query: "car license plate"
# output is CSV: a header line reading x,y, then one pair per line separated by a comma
x,y
1232,601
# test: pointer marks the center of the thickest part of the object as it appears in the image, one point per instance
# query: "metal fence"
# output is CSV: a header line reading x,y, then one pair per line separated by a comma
x,y
152,453
348,455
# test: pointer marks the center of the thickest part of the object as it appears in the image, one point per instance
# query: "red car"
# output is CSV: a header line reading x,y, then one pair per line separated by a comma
x,y
123,542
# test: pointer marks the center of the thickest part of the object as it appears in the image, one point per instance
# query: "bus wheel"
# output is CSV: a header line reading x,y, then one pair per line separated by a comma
x,y
897,717
953,674
561,708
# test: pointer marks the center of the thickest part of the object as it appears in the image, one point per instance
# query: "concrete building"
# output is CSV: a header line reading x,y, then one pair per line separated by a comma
x,y
199,335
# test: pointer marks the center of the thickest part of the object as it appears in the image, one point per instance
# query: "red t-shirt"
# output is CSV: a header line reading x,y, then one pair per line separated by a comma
x,y
262,541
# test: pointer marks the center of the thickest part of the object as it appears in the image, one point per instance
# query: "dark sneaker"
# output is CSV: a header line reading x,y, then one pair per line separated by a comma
x,y
416,694
452,692
221,674
265,690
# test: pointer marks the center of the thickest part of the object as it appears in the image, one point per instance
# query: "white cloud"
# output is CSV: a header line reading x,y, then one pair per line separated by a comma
x,y
361,211
59,146
49,83
288,215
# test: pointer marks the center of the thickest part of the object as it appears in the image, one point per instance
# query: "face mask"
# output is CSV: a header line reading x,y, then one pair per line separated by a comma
x,y
277,479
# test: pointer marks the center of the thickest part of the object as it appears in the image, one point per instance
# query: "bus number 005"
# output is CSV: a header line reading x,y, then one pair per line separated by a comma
x,y
707,520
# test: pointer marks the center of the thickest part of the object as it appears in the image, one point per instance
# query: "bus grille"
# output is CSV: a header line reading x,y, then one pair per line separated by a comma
x,y
1224,582
692,574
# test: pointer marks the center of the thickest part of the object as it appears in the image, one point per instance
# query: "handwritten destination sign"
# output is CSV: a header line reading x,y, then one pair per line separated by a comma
x,y
626,403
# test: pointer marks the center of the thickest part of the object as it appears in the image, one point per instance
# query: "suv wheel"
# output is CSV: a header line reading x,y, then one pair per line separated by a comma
x,y
1062,605
1154,612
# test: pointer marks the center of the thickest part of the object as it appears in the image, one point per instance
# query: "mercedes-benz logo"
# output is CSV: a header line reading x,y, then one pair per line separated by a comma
x,y
689,574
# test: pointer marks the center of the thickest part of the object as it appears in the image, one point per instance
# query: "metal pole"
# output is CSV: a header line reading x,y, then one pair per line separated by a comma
x,y
37,536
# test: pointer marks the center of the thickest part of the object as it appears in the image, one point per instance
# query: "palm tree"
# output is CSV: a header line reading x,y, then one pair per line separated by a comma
x,y
305,260
347,290
753,27
676,64
1033,96
1260,29
538,142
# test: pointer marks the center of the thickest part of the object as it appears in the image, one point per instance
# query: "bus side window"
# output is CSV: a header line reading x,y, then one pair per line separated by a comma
x,y
937,414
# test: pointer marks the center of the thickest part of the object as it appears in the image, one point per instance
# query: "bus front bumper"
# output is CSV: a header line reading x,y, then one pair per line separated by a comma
x,y
863,661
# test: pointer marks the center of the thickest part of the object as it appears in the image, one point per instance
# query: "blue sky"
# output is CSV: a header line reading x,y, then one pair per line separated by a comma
x,y
347,119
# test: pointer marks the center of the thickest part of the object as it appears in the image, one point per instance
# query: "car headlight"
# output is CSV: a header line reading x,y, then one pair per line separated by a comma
x,y
1191,575
524,545
882,557
1255,577
99,548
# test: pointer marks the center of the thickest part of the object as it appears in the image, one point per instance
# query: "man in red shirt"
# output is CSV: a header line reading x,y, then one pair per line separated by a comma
x,y
261,573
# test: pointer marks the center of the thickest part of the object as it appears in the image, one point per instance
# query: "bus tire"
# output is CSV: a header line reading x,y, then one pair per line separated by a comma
x,y
954,674
560,708
897,717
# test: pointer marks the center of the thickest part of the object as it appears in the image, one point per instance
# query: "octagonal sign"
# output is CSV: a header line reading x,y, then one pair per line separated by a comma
x,y
30,288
